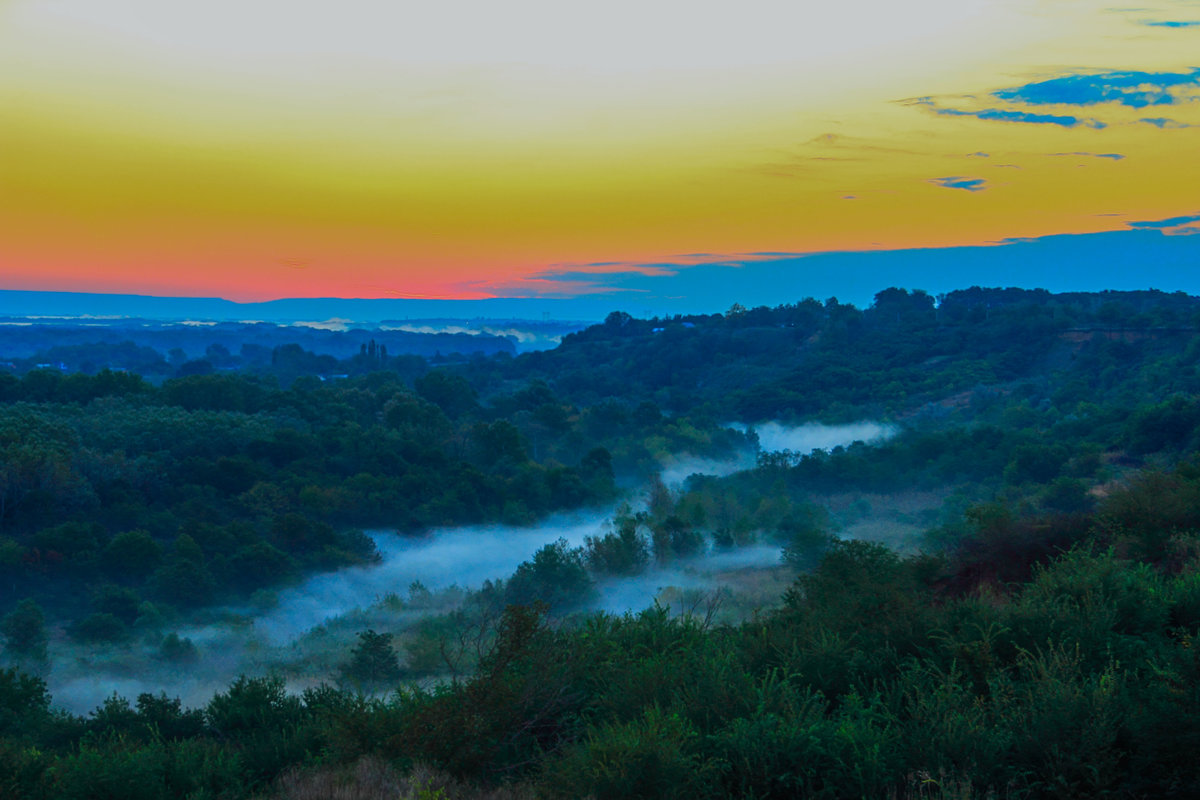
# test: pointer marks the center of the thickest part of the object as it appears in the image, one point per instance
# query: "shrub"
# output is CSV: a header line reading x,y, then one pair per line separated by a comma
x,y
99,628
24,704
373,663
24,629
651,757
177,649
555,576
112,769
253,704
623,552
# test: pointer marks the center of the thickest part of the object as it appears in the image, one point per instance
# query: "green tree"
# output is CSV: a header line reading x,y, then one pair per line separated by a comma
x,y
373,662
177,649
555,575
132,554
623,552
24,703
451,393
24,629
99,628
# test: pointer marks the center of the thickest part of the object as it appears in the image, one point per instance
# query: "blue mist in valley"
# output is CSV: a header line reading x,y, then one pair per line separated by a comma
x,y
444,563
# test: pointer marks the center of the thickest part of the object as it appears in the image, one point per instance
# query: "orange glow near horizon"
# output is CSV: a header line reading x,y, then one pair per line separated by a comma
x,y
207,151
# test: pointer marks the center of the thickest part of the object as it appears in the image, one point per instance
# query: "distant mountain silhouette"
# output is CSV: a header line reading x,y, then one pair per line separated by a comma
x,y
17,303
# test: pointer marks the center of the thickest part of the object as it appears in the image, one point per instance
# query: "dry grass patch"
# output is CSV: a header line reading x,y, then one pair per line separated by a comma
x,y
372,778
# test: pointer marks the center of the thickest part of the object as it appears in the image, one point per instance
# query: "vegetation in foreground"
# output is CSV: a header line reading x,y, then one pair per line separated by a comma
x,y
1051,656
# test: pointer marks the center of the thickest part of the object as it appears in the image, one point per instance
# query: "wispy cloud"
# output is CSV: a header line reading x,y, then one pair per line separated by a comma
x,y
1173,226
1189,23
1031,103
1012,115
1133,89
602,277
958,182
1172,222
1113,156
1163,122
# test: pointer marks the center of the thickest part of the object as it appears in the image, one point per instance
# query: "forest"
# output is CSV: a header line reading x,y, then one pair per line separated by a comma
x,y
996,594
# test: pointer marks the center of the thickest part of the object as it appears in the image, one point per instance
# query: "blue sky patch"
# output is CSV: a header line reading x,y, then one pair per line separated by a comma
x,y
1060,263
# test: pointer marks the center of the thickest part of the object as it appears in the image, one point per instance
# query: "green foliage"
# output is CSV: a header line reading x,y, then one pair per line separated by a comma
x,y
449,392
122,603
555,576
214,486
806,538
260,564
1151,509
520,703
24,704
184,583
373,662
775,752
1170,424
1067,496
132,554
99,628
253,704
112,769
498,444
177,649
1038,463
652,757
24,630
868,683
1048,650
620,552
673,538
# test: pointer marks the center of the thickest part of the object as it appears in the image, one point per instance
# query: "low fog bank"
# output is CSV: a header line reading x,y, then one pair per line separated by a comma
x,y
774,436
527,336
465,557
678,469
255,641
684,584
82,687
326,611
246,639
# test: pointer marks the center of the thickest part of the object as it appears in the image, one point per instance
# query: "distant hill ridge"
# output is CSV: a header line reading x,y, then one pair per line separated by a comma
x,y
19,303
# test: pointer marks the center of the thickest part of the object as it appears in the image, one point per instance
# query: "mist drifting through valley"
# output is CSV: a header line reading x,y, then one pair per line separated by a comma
x,y
249,640
775,437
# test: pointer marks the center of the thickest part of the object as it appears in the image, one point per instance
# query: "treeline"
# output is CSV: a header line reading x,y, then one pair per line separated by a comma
x,y
163,350
840,362
1044,656
792,361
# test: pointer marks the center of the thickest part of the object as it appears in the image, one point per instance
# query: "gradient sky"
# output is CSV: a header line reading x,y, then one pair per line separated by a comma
x,y
255,149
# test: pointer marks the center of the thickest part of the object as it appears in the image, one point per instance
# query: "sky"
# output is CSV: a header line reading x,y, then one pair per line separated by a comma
x,y
666,154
